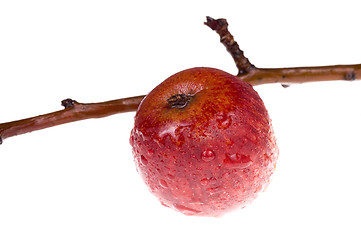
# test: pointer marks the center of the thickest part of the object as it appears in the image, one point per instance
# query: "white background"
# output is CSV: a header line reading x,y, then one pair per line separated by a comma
x,y
78,181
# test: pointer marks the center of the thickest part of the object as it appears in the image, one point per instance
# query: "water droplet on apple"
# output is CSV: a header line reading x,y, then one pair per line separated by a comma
x,y
143,160
163,183
225,124
210,191
237,160
208,155
224,121
150,152
204,181
252,137
170,176
168,130
164,204
213,180
226,174
215,190
186,210
224,196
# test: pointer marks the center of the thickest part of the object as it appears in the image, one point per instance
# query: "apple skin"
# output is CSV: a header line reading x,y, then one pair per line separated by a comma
x,y
203,142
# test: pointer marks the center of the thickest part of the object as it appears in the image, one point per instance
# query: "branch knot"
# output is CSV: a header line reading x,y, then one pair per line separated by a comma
x,y
67,103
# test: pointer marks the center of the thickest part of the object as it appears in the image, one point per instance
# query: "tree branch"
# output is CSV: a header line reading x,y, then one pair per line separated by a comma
x,y
75,111
258,76
221,27
287,76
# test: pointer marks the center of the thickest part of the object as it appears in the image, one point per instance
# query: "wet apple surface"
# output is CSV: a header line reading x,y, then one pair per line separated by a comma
x,y
203,142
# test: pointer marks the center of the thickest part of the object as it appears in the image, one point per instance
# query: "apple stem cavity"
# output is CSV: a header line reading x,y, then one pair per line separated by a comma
x,y
179,100
75,111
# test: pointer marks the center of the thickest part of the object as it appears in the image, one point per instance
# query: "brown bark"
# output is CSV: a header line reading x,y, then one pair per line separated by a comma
x,y
286,76
221,27
75,111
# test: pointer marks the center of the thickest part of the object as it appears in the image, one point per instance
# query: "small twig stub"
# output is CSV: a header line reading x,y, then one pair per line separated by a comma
x,y
67,103
221,27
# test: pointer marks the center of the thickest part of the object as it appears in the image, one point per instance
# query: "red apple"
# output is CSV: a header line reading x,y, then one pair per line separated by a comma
x,y
203,142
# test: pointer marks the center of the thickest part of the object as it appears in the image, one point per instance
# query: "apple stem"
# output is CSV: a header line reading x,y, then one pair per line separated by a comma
x,y
73,111
179,100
